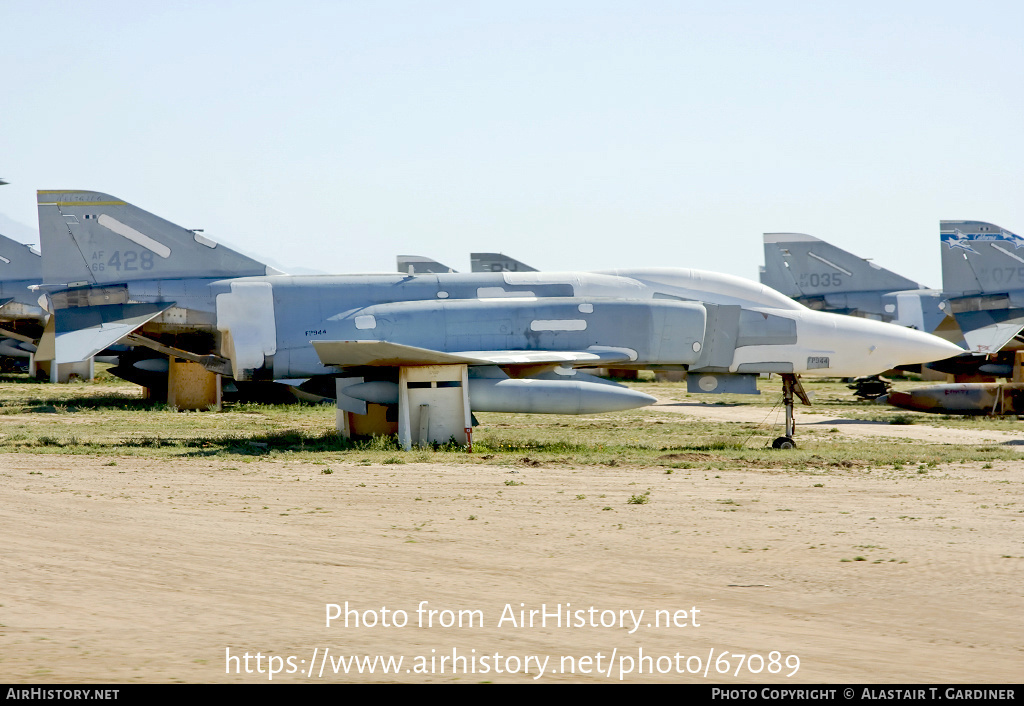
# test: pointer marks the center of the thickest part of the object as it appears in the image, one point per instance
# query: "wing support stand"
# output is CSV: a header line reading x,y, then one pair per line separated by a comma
x,y
432,407
790,387
434,400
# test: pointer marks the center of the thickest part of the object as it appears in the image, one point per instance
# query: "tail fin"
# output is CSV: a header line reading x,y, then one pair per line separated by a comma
x,y
980,258
18,261
804,266
20,268
983,275
416,265
92,238
496,262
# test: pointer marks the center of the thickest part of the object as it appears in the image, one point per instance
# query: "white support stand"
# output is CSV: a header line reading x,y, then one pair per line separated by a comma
x,y
62,372
434,401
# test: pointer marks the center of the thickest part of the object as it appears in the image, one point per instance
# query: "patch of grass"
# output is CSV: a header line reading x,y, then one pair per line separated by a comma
x,y
109,417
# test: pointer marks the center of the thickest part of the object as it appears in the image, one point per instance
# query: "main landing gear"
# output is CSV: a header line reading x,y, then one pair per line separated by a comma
x,y
790,386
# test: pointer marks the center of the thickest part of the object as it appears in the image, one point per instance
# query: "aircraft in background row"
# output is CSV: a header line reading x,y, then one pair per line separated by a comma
x,y
21,317
981,304
983,279
503,341
479,262
823,276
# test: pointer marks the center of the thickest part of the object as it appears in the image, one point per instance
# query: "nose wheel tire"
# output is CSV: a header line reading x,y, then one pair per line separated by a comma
x,y
784,442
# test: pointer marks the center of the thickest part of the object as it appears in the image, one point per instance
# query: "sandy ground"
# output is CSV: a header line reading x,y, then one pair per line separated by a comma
x,y
847,427
155,571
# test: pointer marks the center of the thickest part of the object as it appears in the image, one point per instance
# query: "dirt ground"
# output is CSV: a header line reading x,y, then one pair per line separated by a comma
x,y
848,427
156,571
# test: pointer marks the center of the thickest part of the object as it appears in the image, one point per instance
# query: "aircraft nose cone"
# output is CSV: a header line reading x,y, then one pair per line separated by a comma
x,y
888,345
919,347
859,346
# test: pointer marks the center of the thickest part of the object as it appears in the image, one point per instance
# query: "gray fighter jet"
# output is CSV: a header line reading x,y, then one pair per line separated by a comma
x,y
435,346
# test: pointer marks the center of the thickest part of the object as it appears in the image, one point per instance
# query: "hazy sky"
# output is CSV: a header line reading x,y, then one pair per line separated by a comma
x,y
571,135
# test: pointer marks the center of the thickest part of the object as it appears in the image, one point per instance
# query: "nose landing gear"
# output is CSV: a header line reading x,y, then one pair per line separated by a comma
x,y
790,386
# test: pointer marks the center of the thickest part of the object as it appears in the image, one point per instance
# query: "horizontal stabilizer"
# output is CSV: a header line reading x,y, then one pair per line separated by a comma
x,y
992,338
79,333
384,353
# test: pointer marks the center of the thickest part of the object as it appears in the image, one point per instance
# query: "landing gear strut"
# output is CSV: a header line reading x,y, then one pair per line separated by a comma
x,y
790,386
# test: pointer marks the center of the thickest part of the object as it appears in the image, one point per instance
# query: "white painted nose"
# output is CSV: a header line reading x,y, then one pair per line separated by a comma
x,y
865,347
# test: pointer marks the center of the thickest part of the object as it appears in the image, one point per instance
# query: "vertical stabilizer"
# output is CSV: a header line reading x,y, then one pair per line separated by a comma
x,y
90,238
20,268
416,265
980,258
496,262
802,265
19,261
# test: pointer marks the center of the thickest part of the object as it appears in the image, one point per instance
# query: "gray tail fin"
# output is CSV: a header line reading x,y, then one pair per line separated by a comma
x,y
497,262
89,238
18,261
980,258
983,275
416,265
804,266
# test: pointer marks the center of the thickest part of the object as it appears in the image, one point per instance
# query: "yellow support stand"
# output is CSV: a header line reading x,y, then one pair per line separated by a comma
x,y
191,386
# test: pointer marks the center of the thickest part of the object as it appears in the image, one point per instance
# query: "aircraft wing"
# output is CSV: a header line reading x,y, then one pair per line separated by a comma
x,y
385,353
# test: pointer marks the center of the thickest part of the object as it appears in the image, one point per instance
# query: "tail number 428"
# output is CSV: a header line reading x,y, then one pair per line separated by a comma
x,y
122,260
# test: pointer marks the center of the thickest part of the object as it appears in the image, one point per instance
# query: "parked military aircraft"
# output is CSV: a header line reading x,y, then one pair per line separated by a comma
x,y
115,272
983,278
